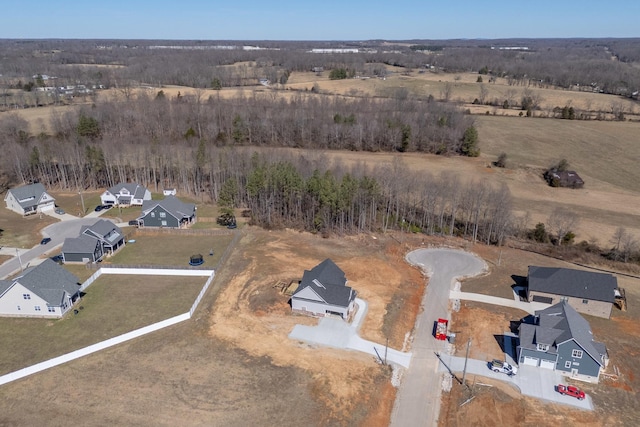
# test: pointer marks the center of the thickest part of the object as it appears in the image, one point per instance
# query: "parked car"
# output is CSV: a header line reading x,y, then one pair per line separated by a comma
x,y
59,211
45,240
503,367
57,258
134,222
99,208
570,391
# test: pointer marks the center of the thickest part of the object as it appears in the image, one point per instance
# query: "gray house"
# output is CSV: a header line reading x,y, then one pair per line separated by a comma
x,y
169,212
82,249
323,291
46,290
29,199
125,194
95,241
585,291
559,338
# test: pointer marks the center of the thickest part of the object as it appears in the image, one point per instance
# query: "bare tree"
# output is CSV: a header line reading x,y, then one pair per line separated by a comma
x,y
446,91
561,222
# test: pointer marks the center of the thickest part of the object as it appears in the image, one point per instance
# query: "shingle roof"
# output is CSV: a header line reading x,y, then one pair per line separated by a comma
x,y
33,192
329,282
136,190
557,324
573,283
171,204
81,244
49,281
106,230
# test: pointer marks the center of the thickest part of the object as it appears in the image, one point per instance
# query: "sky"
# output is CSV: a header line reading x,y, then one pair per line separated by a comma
x,y
318,20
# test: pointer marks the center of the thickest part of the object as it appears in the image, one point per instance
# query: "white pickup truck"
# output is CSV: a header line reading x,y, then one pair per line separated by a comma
x,y
504,367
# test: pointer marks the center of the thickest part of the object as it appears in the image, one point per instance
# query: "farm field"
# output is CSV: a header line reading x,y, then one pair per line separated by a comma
x,y
113,305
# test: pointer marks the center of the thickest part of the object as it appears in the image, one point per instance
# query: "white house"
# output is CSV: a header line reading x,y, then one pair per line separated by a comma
x,y
169,192
29,199
323,291
46,290
130,194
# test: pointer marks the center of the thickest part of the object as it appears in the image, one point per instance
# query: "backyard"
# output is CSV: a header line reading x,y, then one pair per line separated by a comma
x,y
113,305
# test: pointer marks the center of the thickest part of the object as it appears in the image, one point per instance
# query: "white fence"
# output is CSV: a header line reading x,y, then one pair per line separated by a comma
x,y
39,367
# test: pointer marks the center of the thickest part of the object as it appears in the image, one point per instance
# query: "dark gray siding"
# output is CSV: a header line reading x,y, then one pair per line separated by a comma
x,y
585,365
78,257
154,218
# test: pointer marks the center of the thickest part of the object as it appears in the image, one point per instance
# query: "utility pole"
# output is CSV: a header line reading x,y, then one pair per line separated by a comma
x,y
82,201
466,357
19,259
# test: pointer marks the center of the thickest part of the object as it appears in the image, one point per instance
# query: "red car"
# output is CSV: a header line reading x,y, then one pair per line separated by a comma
x,y
570,391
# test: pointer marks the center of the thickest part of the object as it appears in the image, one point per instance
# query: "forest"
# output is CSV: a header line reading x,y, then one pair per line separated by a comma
x,y
240,151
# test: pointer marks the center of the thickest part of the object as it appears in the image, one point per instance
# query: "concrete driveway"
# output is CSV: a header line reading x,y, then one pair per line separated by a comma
x,y
530,380
334,332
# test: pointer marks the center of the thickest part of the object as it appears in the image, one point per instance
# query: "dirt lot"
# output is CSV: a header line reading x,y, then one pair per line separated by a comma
x,y
233,364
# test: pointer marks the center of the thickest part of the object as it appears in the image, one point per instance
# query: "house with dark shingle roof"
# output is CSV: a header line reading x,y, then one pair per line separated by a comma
x,y
29,199
323,291
125,194
559,338
95,241
587,292
46,290
169,212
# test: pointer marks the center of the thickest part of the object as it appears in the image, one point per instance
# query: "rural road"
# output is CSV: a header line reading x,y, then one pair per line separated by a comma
x,y
418,399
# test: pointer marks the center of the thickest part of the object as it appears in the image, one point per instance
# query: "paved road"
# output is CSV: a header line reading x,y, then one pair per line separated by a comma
x,y
418,399
334,332
69,227
530,380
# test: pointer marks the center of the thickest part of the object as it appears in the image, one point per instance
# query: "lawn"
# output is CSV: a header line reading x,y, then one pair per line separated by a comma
x,y
113,305
71,202
21,232
171,249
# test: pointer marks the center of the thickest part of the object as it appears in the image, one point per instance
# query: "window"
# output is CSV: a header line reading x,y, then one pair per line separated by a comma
x,y
18,308
585,301
153,214
37,308
543,347
26,296
51,309
564,299
163,214
164,222
567,364
577,354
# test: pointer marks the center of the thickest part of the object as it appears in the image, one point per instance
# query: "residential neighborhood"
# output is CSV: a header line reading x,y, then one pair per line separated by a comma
x,y
29,199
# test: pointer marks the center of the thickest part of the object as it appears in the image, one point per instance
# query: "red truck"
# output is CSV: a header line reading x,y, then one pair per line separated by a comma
x,y
441,329
570,391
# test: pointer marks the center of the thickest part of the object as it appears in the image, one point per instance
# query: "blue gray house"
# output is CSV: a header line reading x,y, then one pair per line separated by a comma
x,y
169,212
323,291
95,241
559,338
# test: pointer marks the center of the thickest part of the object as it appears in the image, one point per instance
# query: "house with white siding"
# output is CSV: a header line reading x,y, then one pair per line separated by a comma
x,y
125,194
29,199
47,290
323,291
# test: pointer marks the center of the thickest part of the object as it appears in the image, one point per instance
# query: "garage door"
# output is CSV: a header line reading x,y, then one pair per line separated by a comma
x,y
530,361
547,364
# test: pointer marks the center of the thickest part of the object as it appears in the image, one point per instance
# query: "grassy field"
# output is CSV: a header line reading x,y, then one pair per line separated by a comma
x,y
171,249
71,202
113,305
21,232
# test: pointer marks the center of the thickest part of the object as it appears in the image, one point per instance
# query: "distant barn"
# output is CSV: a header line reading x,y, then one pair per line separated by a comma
x,y
569,179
